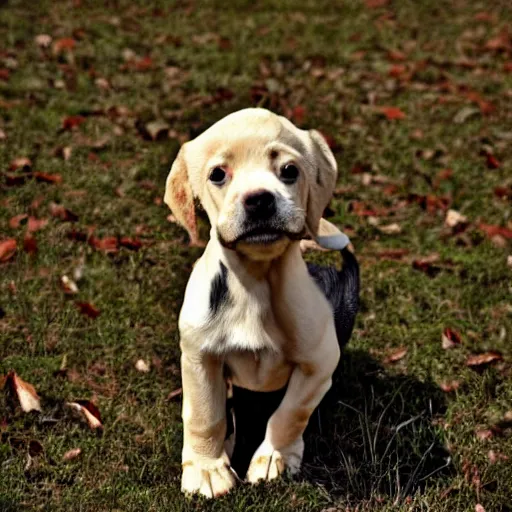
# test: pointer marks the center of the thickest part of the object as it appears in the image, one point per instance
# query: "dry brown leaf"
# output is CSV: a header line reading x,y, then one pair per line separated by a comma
x,y
30,244
397,355
454,218
142,366
19,163
174,394
89,411
483,359
68,285
449,386
390,229
23,391
72,454
484,434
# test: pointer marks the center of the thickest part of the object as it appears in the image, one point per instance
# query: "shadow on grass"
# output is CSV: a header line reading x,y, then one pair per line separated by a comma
x,y
373,435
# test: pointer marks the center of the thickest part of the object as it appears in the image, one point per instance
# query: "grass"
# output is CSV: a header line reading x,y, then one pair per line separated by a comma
x,y
391,438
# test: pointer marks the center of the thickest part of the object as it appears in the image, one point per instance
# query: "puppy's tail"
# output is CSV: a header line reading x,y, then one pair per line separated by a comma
x,y
341,287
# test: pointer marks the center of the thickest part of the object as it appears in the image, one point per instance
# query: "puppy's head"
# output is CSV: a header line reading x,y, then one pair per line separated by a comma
x,y
262,181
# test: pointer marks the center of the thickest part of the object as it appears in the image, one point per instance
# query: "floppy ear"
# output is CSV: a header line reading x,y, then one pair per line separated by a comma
x,y
180,198
321,183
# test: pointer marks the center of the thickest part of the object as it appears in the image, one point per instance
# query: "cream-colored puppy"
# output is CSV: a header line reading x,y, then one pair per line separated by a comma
x,y
253,314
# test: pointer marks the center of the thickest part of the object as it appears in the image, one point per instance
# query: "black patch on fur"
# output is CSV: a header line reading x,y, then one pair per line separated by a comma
x,y
219,289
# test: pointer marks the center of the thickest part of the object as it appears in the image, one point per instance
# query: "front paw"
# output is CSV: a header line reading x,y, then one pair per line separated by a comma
x,y
207,476
268,463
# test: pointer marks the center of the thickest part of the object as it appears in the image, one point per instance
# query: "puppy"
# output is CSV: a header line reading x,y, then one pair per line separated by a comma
x,y
254,314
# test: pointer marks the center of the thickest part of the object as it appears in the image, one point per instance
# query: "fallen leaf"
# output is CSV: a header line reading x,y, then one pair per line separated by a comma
x,y
88,309
449,386
477,360
34,224
454,218
392,254
7,249
397,355
509,261
174,394
109,244
450,338
496,456
60,212
64,44
479,508
43,40
142,366
492,161
130,243
89,411
157,129
29,244
491,230
426,264
72,122
23,391
17,220
390,229
464,114
484,434
19,163
45,177
72,454
68,285
391,113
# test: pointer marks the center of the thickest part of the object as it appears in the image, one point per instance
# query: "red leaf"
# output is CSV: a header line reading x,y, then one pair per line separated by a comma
x,y
36,224
391,113
66,43
44,177
72,122
450,338
397,70
89,411
492,161
7,249
88,309
109,244
4,74
426,264
483,359
16,221
143,64
130,243
298,114
60,212
30,244
491,230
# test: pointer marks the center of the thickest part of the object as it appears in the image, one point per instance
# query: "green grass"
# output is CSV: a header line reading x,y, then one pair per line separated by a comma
x,y
391,439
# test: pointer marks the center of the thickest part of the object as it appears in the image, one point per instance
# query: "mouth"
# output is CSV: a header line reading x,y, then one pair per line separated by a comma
x,y
262,236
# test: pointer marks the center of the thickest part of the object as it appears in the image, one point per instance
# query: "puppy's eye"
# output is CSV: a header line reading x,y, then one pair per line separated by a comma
x,y
218,176
289,174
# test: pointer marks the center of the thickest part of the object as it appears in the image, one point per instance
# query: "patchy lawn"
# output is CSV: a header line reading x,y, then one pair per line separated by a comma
x,y
416,101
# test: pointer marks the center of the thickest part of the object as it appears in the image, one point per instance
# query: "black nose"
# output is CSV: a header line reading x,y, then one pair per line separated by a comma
x,y
260,205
